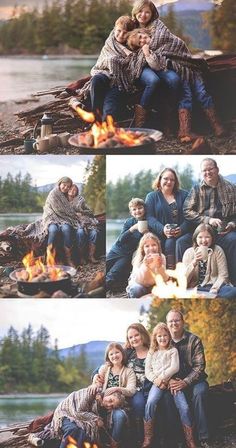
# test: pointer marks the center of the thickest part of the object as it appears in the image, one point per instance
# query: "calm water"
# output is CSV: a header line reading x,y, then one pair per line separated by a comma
x,y
17,410
23,76
13,219
113,227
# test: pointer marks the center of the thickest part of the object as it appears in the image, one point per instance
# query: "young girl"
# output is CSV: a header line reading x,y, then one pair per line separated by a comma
x,y
173,53
162,362
87,231
148,262
114,376
210,274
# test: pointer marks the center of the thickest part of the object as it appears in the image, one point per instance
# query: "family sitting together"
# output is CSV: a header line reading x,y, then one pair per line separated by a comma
x,y
195,228
66,221
138,383
142,54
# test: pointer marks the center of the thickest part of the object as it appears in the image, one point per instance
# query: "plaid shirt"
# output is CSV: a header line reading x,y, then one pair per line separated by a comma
x,y
204,202
192,358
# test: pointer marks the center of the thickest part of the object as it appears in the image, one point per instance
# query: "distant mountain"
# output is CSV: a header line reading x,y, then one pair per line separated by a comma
x,y
188,5
94,351
231,178
48,187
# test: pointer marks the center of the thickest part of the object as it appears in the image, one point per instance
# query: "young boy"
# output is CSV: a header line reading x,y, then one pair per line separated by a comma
x,y
140,38
118,261
106,98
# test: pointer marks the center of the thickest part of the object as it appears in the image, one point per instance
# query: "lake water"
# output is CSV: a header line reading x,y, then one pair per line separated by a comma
x,y
24,408
13,219
20,77
113,229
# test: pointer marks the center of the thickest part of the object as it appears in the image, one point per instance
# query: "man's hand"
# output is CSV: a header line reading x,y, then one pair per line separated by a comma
x,y
215,222
175,385
229,228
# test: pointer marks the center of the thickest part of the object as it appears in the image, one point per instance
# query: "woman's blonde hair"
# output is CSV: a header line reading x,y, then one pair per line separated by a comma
x,y
156,185
145,336
154,344
139,4
140,251
117,346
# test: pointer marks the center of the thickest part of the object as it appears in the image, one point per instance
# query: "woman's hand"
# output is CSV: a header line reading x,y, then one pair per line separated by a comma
x,y
167,231
111,391
176,232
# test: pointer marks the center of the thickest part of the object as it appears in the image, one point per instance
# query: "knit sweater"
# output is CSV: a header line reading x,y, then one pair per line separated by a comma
x,y
216,273
127,379
162,364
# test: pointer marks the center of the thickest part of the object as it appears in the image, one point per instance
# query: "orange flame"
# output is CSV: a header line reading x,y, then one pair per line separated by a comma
x,y
35,266
173,289
89,117
73,444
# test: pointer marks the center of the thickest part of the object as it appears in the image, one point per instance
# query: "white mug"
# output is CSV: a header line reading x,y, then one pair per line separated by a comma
x,y
142,225
205,252
42,144
63,138
53,140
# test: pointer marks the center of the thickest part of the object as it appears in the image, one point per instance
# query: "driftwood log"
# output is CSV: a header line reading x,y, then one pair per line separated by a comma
x,y
221,410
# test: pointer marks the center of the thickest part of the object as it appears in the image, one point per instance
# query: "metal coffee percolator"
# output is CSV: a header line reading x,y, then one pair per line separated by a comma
x,y
46,123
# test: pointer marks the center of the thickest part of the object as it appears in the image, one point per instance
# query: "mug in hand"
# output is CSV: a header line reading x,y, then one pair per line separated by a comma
x,y
142,225
222,226
205,252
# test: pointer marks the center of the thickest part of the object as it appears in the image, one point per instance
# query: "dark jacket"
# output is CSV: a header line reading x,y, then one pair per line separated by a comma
x,y
158,212
127,242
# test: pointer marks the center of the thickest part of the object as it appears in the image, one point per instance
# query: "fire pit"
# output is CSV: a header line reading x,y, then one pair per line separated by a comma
x,y
123,141
43,281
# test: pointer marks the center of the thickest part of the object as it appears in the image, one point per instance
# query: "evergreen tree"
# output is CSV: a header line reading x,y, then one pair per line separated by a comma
x,y
222,20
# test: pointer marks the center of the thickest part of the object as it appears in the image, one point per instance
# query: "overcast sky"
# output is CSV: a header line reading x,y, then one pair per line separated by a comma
x,y
119,166
72,321
45,169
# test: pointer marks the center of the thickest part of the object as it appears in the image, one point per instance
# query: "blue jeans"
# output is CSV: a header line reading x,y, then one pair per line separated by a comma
x,y
119,422
225,291
83,238
156,394
198,89
136,290
151,81
138,403
118,270
70,428
172,251
197,398
54,230
105,100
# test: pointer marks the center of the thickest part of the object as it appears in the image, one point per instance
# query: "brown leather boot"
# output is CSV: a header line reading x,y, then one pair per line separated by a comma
x,y
148,433
140,115
214,121
188,434
68,257
92,249
82,260
185,120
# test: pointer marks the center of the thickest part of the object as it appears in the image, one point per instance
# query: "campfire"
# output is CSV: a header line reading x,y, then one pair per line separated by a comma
x,y
176,287
36,271
107,135
73,444
39,276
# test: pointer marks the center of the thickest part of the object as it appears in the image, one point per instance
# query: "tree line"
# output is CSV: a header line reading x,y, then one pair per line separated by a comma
x,y
28,363
74,25
214,322
120,193
18,195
